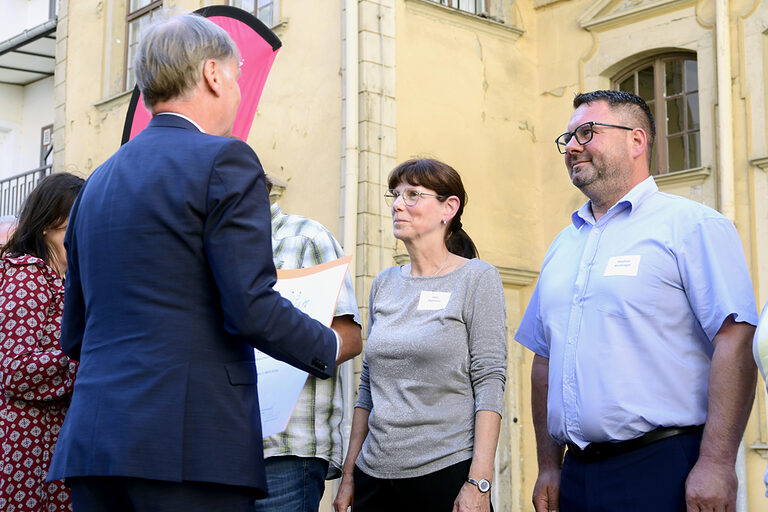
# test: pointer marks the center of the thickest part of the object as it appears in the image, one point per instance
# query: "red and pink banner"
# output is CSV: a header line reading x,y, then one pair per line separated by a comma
x,y
258,47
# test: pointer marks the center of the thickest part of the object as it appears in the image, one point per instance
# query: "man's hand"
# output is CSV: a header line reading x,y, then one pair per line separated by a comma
x,y
711,486
470,499
546,492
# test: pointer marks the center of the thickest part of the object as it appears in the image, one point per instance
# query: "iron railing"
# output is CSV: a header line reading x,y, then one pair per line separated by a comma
x,y
14,190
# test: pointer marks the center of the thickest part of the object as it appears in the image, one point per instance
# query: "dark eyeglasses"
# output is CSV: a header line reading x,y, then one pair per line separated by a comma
x,y
583,134
410,196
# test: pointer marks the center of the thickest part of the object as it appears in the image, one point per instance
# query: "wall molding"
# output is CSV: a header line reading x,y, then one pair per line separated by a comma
x,y
464,19
514,276
695,176
600,16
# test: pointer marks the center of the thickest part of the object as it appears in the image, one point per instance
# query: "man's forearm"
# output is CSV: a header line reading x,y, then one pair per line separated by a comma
x,y
351,335
549,453
732,383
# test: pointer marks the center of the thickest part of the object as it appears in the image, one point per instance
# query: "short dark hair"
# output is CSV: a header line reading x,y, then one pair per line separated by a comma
x,y
630,103
446,182
46,207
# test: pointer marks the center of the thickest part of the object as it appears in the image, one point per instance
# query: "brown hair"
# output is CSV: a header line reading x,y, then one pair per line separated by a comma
x,y
46,207
446,182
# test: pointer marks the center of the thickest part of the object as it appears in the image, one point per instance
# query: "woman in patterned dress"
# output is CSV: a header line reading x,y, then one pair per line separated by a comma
x,y
35,375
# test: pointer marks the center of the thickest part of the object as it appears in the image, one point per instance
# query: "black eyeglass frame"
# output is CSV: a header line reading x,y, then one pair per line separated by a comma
x,y
566,137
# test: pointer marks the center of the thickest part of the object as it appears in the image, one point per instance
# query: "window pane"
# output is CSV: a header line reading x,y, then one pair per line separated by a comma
x,y
693,111
467,5
246,5
691,79
134,33
628,84
673,74
645,83
654,162
138,4
676,153
693,150
265,15
675,115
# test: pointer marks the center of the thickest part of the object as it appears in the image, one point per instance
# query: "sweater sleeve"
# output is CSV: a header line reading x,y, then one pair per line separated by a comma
x,y
364,399
486,326
31,371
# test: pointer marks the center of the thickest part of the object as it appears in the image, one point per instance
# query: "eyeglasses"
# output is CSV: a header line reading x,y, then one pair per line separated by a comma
x,y
583,134
410,196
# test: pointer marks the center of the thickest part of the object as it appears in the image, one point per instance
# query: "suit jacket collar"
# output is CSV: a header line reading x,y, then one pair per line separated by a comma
x,y
172,121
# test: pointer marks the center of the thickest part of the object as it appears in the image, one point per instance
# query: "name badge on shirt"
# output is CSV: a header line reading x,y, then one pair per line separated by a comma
x,y
432,301
623,266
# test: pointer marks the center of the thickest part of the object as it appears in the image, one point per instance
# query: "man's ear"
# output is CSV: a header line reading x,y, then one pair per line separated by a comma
x,y
212,71
638,143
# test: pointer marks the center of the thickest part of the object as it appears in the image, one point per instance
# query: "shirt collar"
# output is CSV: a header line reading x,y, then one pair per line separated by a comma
x,y
631,200
181,116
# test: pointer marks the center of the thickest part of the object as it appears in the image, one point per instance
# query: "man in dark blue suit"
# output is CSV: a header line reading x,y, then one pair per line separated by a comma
x,y
169,289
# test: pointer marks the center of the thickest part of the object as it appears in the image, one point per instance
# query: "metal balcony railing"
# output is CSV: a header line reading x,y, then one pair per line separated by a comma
x,y
14,190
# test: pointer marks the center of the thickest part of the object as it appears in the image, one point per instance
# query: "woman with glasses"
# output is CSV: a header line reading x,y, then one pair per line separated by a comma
x,y
427,417
37,378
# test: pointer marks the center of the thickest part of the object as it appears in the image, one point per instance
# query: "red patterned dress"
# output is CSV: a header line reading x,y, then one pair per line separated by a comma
x,y
36,379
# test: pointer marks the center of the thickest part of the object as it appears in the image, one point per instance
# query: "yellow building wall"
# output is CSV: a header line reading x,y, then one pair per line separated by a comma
x,y
485,97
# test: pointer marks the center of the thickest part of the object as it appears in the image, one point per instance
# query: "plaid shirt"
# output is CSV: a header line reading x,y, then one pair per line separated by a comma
x,y
315,426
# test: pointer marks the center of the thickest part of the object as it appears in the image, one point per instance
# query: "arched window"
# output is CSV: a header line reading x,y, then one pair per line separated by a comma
x,y
670,86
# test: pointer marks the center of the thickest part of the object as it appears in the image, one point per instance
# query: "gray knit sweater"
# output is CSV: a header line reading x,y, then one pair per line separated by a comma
x,y
436,354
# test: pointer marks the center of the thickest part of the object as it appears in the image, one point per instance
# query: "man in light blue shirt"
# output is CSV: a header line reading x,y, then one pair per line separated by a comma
x,y
641,323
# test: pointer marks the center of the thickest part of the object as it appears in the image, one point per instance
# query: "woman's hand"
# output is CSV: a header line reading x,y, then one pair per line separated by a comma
x,y
470,499
346,494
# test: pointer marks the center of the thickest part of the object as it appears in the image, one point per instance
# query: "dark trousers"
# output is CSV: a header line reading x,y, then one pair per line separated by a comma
x,y
651,478
123,494
434,492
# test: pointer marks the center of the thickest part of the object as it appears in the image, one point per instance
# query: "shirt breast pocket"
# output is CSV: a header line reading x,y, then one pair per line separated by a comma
x,y
628,296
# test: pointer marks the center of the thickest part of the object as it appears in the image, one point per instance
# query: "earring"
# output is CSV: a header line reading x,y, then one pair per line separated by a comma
x,y
443,221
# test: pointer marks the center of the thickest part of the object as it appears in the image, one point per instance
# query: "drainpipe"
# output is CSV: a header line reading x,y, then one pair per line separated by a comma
x,y
726,173
725,110
351,173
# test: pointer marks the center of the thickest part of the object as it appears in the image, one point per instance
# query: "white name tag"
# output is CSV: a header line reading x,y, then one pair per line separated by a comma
x,y
432,301
623,266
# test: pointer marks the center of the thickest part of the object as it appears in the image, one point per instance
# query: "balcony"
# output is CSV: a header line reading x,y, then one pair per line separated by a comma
x,y
14,190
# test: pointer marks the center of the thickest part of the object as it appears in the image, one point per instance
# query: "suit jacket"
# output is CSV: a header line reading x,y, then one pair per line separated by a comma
x,y
168,289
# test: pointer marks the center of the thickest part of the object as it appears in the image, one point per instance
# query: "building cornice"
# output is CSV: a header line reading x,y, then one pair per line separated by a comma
x,y
464,19
695,176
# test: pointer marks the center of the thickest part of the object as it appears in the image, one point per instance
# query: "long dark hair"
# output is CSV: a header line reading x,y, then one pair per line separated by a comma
x,y
47,207
446,182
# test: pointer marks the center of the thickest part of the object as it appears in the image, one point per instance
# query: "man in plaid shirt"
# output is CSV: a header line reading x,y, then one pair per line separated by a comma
x,y
309,451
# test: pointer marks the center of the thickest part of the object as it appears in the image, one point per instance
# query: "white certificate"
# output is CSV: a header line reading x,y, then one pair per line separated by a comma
x,y
313,290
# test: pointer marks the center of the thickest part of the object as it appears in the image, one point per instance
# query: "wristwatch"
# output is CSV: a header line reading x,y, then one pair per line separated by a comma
x,y
483,485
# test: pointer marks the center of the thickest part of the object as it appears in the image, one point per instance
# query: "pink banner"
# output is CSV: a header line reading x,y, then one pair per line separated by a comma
x,y
258,48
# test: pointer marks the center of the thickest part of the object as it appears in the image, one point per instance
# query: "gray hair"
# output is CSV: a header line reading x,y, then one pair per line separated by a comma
x,y
170,57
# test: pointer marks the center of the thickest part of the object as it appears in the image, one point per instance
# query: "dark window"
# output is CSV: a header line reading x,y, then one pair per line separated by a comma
x,y
669,85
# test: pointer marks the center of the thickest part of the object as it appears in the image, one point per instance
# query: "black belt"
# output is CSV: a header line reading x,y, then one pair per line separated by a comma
x,y
595,452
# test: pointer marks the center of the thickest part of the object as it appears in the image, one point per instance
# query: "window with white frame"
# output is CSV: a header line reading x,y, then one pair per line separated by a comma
x,y
669,85
470,6
139,15
268,11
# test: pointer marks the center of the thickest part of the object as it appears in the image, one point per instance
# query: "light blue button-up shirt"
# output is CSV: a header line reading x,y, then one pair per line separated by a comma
x,y
626,308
